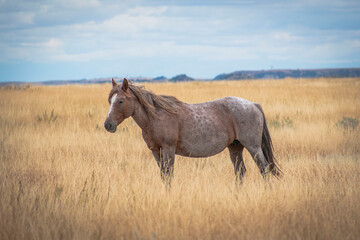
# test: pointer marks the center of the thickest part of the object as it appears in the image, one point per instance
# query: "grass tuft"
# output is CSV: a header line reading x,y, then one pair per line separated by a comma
x,y
47,118
348,123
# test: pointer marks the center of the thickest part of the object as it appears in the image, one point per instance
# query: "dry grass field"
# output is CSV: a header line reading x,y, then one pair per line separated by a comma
x,y
62,176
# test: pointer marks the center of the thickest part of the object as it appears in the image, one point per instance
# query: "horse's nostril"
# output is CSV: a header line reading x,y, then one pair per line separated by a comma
x,y
108,126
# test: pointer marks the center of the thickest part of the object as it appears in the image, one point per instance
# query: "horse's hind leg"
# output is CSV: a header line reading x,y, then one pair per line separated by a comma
x,y
236,150
259,158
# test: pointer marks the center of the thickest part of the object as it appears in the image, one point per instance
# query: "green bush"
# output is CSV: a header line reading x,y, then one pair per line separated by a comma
x,y
347,123
285,122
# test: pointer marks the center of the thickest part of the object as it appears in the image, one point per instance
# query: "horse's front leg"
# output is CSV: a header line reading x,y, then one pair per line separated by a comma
x,y
165,160
157,157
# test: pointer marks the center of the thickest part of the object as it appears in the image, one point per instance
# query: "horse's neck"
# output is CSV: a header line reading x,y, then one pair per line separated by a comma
x,y
141,118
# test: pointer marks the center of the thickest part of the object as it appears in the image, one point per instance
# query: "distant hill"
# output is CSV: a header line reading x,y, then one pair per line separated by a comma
x,y
61,82
81,81
160,79
181,78
299,73
238,75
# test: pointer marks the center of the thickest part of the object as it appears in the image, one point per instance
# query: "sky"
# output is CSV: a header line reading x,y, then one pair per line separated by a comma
x,y
84,39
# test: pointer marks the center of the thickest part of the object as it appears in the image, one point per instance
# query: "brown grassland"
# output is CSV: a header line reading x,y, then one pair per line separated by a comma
x,y
62,176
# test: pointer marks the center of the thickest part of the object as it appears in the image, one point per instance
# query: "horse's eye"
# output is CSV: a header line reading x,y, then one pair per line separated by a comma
x,y
121,101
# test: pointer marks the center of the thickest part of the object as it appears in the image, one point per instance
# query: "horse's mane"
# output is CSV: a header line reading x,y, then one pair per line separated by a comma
x,y
151,101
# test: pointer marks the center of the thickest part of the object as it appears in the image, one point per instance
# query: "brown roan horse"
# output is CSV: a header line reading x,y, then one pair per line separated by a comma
x,y
171,127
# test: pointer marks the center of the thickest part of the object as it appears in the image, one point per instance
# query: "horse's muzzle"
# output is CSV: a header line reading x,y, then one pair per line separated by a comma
x,y
110,126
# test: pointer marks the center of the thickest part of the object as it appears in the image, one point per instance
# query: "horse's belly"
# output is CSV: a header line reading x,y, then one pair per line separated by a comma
x,y
202,145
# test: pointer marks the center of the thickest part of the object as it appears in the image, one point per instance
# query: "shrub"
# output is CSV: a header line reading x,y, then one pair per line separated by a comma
x,y
347,123
285,122
47,118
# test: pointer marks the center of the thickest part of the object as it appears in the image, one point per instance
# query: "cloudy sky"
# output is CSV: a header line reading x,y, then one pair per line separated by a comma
x,y
76,39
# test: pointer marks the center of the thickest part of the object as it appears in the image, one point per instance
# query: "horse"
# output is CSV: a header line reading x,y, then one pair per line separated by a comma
x,y
171,127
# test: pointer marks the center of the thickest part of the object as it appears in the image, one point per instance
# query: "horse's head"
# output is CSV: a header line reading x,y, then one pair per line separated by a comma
x,y
121,105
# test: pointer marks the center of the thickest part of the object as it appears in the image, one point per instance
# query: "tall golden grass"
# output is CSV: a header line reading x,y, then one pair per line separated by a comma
x,y
62,176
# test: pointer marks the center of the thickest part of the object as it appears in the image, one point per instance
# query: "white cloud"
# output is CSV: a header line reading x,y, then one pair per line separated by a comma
x,y
17,19
214,33
284,36
25,17
78,3
52,43
147,11
354,43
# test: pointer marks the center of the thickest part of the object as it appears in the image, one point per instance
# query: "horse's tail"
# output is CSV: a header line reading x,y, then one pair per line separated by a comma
x,y
267,148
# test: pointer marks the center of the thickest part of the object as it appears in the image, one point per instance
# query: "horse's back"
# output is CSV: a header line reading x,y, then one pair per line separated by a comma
x,y
208,128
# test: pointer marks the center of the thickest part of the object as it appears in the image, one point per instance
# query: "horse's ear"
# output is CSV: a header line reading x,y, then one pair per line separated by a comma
x,y
125,85
113,82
